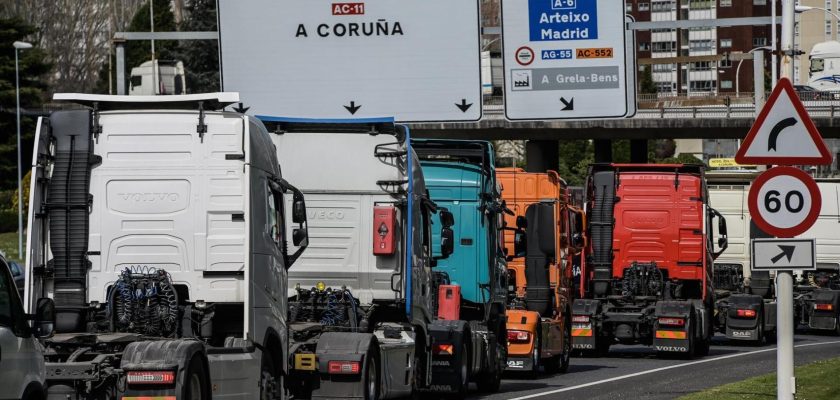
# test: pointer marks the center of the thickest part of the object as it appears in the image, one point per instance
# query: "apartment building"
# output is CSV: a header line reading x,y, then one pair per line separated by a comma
x,y
696,61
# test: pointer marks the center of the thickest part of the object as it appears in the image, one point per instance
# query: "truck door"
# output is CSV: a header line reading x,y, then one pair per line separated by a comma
x,y
18,355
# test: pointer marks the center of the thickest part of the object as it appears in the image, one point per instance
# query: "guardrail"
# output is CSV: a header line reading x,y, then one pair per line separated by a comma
x,y
650,107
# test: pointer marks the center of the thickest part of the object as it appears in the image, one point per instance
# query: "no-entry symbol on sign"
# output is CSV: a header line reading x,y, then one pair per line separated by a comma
x,y
784,201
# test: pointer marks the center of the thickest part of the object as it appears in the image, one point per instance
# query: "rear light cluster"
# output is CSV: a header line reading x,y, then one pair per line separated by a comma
x,y
670,321
581,319
746,313
823,307
151,377
343,367
519,336
446,349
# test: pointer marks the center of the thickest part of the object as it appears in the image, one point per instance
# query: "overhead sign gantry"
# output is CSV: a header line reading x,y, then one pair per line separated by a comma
x,y
414,60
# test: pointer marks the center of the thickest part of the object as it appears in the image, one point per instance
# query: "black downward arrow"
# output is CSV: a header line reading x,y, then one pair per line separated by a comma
x,y
787,251
352,108
568,105
774,133
241,109
463,106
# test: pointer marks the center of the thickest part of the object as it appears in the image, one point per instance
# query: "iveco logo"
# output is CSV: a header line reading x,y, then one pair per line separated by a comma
x,y
149,197
326,214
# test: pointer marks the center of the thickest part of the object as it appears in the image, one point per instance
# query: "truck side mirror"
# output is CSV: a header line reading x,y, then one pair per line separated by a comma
x,y
44,325
300,237
298,211
723,241
446,218
520,243
521,222
447,242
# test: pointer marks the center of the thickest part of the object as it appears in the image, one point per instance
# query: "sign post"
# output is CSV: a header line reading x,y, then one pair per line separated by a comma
x,y
784,201
566,59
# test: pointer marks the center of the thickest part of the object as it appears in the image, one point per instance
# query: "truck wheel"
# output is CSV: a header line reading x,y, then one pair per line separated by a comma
x,y
372,375
195,386
490,381
271,383
566,357
464,370
534,373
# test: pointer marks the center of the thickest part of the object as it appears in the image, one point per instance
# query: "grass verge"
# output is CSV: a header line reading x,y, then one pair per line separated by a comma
x,y
9,245
816,381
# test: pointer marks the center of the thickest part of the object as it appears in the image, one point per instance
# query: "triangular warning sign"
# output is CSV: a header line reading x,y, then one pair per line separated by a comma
x,y
783,133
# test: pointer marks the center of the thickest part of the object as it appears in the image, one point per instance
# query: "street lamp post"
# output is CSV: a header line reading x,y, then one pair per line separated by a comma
x,y
738,69
19,46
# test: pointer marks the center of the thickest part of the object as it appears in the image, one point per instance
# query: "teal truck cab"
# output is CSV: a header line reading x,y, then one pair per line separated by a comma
x,y
469,339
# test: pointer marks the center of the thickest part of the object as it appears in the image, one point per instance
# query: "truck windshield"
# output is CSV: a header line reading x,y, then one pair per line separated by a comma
x,y
817,64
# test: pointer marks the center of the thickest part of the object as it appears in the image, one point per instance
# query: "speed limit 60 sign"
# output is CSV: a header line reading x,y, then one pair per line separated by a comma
x,y
784,201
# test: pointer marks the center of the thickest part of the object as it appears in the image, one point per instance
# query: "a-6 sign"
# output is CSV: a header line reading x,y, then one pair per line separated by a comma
x,y
784,201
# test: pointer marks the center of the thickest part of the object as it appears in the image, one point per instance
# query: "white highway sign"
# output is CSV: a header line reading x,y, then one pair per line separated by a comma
x,y
783,254
414,60
565,59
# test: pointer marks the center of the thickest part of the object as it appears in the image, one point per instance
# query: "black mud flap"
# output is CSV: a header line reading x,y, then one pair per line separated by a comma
x,y
342,346
446,373
585,335
162,355
825,320
739,327
670,338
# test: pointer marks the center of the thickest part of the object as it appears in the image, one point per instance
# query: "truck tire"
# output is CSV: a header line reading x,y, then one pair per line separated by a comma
x,y
464,370
371,378
566,357
490,381
534,373
271,382
196,384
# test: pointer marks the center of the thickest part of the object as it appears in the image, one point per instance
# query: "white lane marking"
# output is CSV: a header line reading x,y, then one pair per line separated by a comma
x,y
655,370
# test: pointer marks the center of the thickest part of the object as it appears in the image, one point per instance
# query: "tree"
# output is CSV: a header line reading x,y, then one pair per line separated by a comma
x,y
646,84
200,57
33,70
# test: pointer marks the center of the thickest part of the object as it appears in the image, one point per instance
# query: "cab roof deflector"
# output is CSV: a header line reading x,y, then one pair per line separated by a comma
x,y
104,102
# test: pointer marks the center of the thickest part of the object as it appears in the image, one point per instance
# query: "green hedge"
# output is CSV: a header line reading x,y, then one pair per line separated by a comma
x,y
8,221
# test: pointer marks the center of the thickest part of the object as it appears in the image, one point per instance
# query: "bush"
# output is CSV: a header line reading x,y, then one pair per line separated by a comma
x,y
8,221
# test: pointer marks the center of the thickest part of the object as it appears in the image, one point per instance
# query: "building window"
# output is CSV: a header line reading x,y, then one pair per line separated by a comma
x,y
828,30
700,4
663,67
664,6
726,84
701,66
760,2
726,3
664,46
644,46
700,45
759,41
703,86
665,87
644,6
725,63
628,7
725,43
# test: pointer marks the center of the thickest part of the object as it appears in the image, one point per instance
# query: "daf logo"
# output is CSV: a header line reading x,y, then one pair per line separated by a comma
x,y
326,214
672,348
149,197
742,333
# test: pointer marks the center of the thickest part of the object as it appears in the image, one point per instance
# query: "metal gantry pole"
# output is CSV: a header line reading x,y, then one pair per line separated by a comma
x,y
774,43
785,381
19,183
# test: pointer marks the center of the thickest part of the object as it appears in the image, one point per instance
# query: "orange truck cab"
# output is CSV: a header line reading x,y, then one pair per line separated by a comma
x,y
541,245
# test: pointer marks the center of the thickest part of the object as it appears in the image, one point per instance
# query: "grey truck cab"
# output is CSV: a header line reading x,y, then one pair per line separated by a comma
x,y
157,228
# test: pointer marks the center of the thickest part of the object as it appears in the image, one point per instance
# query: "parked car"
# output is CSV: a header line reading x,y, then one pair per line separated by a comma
x,y
17,274
22,371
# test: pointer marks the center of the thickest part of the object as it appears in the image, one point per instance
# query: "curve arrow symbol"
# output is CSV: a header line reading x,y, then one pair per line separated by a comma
x,y
774,133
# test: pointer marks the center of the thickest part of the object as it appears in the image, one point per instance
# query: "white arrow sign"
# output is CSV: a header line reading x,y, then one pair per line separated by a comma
x,y
783,254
